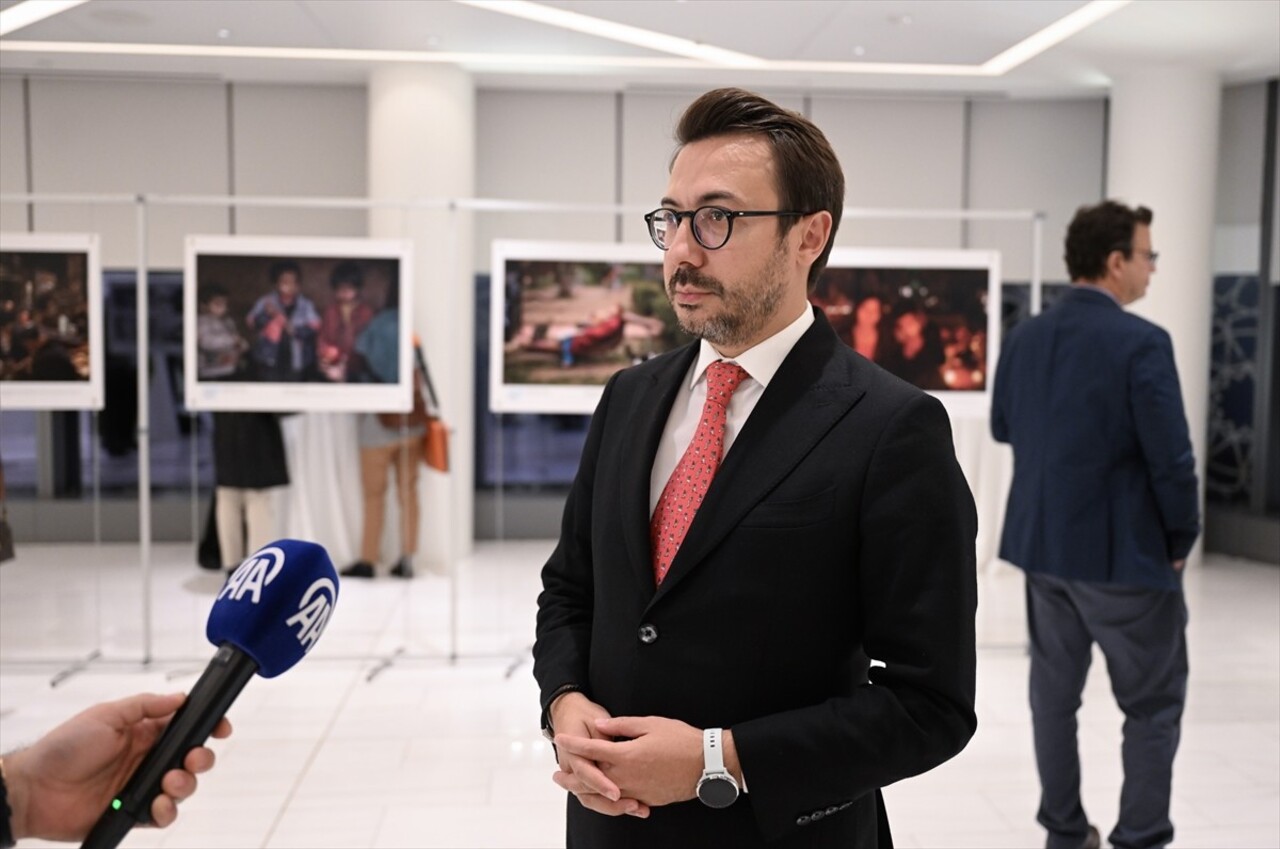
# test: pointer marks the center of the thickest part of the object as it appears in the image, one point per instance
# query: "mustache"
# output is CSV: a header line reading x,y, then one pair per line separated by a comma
x,y
692,277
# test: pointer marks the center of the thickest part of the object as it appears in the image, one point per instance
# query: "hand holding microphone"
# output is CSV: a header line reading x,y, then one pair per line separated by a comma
x,y
57,785
269,614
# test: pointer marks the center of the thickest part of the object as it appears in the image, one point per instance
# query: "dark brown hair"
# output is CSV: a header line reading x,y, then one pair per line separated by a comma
x,y
347,272
809,175
1096,231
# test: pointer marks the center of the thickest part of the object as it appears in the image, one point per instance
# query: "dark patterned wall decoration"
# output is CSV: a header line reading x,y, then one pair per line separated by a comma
x,y
1231,385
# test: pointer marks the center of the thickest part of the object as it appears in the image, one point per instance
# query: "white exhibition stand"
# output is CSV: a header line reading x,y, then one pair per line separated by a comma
x,y
322,503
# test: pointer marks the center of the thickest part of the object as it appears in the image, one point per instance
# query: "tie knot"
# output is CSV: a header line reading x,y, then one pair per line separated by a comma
x,y
722,379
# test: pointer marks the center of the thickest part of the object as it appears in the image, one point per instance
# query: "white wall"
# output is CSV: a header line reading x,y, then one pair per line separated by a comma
x,y
1047,156
648,141
144,136
1238,213
897,154
298,140
13,153
129,137
557,148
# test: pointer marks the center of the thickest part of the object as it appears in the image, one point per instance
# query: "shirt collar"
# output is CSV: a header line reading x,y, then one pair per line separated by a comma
x,y
762,361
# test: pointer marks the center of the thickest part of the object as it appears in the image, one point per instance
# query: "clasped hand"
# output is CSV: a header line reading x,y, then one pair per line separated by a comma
x,y
627,764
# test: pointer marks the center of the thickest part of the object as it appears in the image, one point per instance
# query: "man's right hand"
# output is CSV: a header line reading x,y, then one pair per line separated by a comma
x,y
574,714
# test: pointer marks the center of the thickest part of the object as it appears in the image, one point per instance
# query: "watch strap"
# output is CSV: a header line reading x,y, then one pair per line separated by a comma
x,y
717,788
712,750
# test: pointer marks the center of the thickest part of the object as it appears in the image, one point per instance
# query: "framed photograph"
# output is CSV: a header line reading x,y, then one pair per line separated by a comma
x,y
50,322
565,316
932,317
285,324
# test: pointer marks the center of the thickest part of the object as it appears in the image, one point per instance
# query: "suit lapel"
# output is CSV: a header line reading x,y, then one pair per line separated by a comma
x,y
810,393
646,420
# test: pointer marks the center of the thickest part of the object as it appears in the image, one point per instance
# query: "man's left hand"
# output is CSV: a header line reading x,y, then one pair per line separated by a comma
x,y
657,761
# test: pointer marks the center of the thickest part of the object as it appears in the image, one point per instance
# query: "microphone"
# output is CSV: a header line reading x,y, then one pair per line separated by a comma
x,y
269,614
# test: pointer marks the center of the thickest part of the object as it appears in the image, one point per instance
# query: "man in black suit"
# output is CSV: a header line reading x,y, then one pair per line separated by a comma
x,y
745,662
1103,510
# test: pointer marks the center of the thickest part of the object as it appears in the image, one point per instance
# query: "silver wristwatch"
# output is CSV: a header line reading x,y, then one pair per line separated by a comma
x,y
717,787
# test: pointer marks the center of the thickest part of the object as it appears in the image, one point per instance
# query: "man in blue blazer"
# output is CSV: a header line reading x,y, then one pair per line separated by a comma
x,y
718,689
1103,510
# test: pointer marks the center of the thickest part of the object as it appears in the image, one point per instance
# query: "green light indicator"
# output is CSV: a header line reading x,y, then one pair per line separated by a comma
x,y
116,804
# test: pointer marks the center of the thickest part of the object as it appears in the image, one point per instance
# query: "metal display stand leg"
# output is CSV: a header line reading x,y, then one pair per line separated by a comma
x,y
75,668
383,664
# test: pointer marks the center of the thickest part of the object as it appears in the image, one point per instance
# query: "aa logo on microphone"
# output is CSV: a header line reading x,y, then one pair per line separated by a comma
x,y
254,574
313,612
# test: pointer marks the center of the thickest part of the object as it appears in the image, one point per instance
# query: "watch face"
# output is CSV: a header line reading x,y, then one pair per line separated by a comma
x,y
717,791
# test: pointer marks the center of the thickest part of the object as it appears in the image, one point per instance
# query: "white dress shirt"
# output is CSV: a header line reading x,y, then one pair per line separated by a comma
x,y
761,363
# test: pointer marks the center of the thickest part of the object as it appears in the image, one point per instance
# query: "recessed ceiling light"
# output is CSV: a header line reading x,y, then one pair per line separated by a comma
x,y
25,14
690,55
1055,33
859,50
224,33
614,31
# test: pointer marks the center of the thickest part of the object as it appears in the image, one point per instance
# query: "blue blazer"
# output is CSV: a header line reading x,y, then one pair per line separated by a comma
x,y
1104,484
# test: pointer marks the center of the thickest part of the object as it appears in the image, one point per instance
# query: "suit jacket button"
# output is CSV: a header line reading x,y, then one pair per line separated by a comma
x,y
802,820
831,810
648,634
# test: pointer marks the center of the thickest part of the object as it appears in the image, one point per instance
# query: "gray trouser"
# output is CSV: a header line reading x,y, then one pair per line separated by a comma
x,y
1142,634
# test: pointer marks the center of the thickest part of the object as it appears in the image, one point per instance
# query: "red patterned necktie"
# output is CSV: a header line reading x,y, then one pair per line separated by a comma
x,y
688,484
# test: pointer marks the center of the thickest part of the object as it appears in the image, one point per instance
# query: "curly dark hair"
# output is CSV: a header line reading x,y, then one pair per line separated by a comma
x,y
348,272
809,175
279,269
210,290
1098,230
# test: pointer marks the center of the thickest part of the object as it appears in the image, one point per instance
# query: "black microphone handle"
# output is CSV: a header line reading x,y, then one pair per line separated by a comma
x,y
223,679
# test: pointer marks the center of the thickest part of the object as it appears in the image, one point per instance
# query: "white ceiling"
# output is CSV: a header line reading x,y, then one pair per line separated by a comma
x,y
1239,39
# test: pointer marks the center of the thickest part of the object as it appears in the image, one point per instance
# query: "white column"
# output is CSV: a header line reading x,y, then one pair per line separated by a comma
x,y
1163,149
422,145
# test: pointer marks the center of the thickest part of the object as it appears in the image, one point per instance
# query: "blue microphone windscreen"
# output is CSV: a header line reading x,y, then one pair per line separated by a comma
x,y
275,605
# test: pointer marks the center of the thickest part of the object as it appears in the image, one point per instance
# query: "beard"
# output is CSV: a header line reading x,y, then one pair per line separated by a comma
x,y
745,308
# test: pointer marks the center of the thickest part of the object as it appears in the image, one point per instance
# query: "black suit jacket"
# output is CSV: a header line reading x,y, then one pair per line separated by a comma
x,y
839,528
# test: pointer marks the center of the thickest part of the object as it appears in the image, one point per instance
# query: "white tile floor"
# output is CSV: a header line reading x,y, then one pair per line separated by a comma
x,y
347,750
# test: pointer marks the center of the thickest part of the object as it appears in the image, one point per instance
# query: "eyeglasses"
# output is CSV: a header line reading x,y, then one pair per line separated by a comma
x,y
712,225
1150,256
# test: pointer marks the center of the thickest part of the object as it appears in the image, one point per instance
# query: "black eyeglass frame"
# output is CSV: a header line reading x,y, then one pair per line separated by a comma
x,y
729,214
